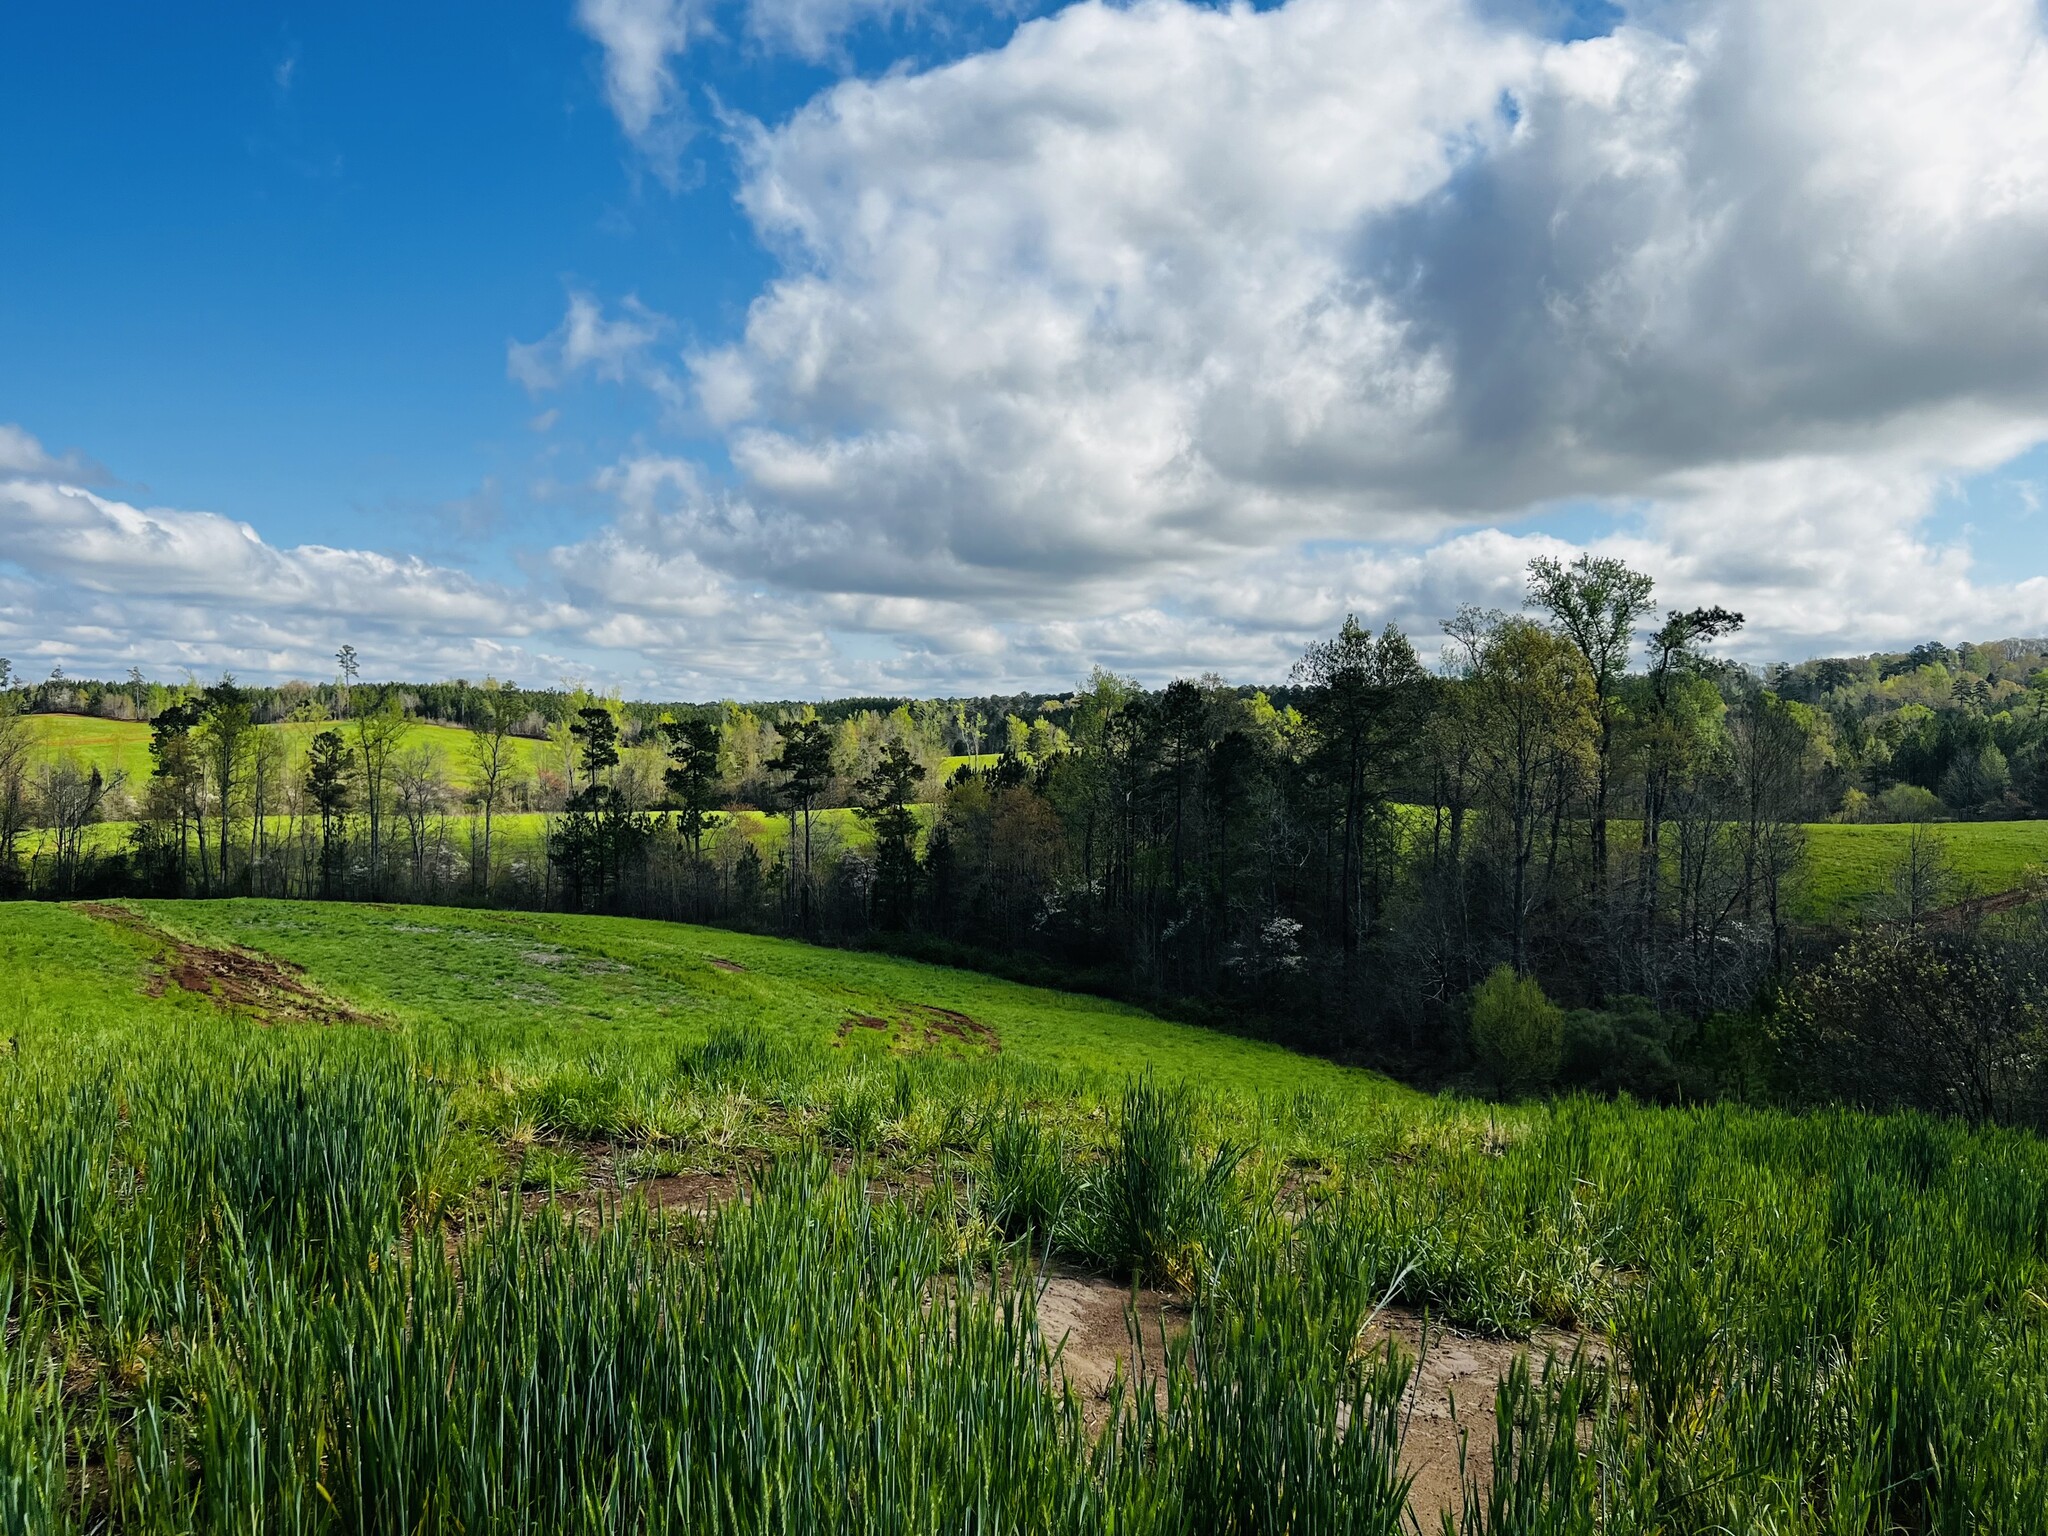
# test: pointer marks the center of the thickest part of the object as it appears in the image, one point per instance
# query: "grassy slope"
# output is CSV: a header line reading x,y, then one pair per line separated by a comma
x,y
1850,863
523,991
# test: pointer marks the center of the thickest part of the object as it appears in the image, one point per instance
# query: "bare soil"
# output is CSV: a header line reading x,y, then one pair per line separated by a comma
x,y
274,991
1449,1398
922,1026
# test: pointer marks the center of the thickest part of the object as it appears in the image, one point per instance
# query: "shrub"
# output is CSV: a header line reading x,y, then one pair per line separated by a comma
x,y
1950,1023
1624,1049
1517,1031
1908,802
1153,1208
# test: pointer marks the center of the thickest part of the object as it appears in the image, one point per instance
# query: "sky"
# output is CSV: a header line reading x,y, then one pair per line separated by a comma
x,y
798,348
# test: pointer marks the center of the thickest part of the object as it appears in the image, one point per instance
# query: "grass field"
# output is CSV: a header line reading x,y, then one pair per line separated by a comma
x,y
324,1218
123,745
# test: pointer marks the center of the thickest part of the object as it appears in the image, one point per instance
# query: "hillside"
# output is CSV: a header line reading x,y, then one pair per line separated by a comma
x,y
527,992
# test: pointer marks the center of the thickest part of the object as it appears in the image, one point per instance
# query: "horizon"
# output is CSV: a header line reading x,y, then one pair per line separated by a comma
x,y
814,349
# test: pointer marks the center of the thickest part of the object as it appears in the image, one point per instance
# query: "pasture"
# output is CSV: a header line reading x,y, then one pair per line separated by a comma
x,y
317,1217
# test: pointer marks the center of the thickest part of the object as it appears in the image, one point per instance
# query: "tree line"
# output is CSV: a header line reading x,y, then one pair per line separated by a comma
x,y
1581,794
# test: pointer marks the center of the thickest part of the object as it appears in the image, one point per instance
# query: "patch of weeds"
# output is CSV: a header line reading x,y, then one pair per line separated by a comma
x,y
554,1169
1028,1181
1154,1209
654,1163
855,1109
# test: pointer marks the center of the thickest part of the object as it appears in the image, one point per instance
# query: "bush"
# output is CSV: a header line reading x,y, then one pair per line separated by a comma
x,y
1908,802
1517,1031
1624,1049
1950,1023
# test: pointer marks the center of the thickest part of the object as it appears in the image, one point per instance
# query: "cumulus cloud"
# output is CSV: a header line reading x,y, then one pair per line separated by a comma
x,y
1162,307
21,454
1165,334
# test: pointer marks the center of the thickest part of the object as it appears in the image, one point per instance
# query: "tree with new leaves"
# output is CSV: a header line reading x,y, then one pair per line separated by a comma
x,y
1595,603
805,763
886,796
227,728
1532,697
494,710
1676,656
380,731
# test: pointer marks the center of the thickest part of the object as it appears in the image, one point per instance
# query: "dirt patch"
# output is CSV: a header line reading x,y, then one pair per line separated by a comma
x,y
725,965
238,980
1450,1401
921,1026
958,1026
1088,1319
1449,1398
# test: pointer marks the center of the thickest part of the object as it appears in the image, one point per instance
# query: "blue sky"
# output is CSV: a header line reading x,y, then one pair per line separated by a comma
x,y
812,346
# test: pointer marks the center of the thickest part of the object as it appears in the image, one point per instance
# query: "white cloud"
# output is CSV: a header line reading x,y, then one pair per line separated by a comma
x,y
21,454
612,349
812,29
1161,307
639,38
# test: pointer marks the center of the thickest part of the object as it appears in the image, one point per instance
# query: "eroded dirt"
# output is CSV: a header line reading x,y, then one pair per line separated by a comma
x,y
1449,1399
274,991
921,1026
716,963
1088,1319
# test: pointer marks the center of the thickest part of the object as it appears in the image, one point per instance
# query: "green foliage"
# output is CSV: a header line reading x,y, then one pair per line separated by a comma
x,y
1155,1207
1626,1048
1029,1180
1517,1032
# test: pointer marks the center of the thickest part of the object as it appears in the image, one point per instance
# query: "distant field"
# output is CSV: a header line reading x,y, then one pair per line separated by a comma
x,y
123,745
1849,864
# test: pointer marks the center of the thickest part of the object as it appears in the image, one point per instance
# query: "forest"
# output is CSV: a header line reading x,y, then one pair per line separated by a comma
x,y
1565,845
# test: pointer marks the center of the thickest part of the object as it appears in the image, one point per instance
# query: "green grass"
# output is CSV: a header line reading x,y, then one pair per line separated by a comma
x,y
526,990
1850,863
261,1270
123,745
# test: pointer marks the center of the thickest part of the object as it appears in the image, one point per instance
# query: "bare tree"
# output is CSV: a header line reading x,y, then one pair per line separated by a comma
x,y
68,799
379,732
14,787
494,710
